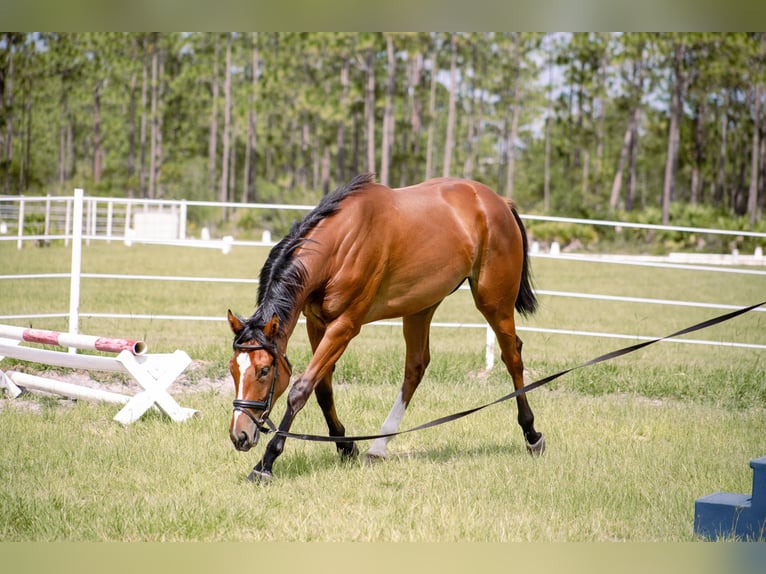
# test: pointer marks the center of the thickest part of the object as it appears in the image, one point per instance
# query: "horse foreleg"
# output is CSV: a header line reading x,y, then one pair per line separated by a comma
x,y
262,471
328,351
324,395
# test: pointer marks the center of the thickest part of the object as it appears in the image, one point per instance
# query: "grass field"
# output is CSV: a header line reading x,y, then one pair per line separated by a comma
x,y
631,443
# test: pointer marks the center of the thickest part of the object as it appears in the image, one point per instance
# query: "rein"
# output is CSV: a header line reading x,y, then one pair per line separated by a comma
x,y
538,383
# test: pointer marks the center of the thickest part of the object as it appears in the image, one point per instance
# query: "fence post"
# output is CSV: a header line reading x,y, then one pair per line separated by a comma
x,y
182,221
47,216
109,216
67,221
21,223
128,212
74,281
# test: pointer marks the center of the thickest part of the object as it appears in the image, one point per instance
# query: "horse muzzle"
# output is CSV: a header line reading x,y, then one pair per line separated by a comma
x,y
245,439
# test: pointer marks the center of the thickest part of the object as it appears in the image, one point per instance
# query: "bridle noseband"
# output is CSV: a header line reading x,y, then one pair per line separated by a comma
x,y
245,406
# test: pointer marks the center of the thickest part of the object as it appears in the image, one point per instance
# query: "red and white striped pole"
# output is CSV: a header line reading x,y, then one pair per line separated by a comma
x,y
88,342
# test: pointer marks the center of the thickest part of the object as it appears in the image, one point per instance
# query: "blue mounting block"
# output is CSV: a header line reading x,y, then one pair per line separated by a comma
x,y
724,514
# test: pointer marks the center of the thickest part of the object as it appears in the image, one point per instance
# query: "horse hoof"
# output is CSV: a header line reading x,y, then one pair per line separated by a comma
x,y
349,452
372,458
538,448
260,476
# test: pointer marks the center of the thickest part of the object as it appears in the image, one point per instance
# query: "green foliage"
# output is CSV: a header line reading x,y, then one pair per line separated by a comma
x,y
304,96
564,233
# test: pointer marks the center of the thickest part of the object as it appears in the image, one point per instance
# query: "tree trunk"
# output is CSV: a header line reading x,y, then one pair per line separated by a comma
x,y
212,146
547,159
223,189
752,199
63,176
159,149
431,116
8,112
153,136
630,200
3,114
720,181
388,115
547,167
412,150
601,126
69,156
449,141
356,137
472,120
369,109
132,134
752,196
340,165
249,177
303,173
739,196
233,161
697,183
325,170
144,98
762,171
510,175
26,142
97,133
585,171
614,198
671,161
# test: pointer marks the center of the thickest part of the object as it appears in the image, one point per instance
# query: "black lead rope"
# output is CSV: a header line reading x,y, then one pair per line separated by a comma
x,y
538,383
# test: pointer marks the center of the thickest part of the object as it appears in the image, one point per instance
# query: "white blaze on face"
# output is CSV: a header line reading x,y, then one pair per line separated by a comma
x,y
244,363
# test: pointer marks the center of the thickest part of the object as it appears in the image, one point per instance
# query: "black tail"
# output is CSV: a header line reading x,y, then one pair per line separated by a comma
x,y
526,302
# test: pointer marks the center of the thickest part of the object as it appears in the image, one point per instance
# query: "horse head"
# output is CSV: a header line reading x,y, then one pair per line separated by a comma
x,y
261,375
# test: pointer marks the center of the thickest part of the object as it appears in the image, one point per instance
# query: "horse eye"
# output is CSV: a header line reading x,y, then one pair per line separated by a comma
x,y
264,371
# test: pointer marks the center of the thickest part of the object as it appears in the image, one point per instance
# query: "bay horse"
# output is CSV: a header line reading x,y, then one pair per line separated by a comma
x,y
365,253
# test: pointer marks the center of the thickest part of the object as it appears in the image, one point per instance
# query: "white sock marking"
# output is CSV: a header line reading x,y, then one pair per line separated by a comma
x,y
390,425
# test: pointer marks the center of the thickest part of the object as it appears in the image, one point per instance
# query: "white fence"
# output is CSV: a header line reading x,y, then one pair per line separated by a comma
x,y
84,219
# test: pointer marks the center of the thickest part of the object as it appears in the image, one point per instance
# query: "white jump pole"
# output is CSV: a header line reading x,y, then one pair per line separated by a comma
x,y
73,341
65,389
74,282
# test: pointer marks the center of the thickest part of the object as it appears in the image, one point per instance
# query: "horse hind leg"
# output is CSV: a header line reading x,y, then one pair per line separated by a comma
x,y
416,335
534,440
501,319
510,345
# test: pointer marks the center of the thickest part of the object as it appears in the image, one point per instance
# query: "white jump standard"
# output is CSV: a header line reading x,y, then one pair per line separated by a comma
x,y
154,373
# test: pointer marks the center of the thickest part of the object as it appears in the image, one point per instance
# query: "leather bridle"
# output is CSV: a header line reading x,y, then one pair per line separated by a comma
x,y
247,406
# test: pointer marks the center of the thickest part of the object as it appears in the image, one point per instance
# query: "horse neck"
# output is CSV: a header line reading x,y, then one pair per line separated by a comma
x,y
315,279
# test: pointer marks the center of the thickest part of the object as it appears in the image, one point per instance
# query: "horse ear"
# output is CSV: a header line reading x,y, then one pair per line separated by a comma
x,y
234,323
272,328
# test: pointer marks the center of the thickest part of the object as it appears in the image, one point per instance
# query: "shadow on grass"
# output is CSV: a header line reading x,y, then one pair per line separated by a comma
x,y
324,460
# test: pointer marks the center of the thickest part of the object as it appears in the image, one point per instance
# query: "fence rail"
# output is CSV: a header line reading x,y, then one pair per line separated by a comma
x,y
79,219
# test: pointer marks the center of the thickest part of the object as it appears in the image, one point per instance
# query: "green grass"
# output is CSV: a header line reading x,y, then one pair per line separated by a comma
x,y
617,468
631,443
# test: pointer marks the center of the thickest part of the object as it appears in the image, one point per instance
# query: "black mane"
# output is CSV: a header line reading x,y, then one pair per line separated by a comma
x,y
282,277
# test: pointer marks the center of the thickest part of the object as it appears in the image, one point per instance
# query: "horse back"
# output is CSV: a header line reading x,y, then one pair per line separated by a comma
x,y
393,252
